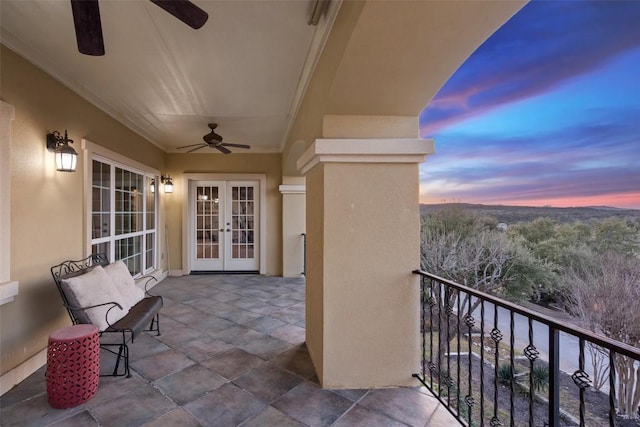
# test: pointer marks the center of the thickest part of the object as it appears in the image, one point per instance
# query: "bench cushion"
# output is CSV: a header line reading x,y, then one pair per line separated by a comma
x,y
122,279
92,288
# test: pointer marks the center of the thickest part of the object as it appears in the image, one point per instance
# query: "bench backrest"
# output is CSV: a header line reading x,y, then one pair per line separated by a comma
x,y
68,269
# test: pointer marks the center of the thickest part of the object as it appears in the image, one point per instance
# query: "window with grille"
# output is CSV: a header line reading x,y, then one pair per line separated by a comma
x,y
123,215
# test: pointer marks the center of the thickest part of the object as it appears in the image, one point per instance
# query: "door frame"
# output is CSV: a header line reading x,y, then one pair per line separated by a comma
x,y
186,205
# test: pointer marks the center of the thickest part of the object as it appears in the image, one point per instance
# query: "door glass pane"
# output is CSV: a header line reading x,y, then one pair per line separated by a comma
x,y
242,222
207,222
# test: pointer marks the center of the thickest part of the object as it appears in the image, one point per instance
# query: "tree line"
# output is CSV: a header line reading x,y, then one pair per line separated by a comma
x,y
590,269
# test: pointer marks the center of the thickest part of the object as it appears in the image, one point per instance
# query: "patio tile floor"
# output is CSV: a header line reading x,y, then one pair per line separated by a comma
x,y
231,353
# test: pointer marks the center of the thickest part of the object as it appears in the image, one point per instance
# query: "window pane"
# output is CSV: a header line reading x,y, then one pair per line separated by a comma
x,y
101,248
149,251
119,200
151,221
119,179
101,174
118,224
95,199
96,228
105,200
137,221
129,201
99,203
132,212
150,207
129,250
106,224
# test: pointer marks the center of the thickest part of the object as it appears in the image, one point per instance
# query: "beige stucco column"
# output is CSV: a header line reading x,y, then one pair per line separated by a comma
x,y
293,225
362,244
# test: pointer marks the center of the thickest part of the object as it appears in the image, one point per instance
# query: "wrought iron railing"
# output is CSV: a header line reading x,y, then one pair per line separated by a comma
x,y
491,362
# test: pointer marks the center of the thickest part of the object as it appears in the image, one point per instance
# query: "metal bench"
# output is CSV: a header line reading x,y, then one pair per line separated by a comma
x,y
116,337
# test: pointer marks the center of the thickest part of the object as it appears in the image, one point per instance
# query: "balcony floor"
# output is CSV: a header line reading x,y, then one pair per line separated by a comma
x,y
231,353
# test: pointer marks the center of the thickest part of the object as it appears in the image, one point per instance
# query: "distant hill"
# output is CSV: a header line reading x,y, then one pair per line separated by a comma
x,y
514,214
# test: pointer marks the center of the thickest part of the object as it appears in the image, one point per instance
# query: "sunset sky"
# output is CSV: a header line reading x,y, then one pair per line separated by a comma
x,y
545,112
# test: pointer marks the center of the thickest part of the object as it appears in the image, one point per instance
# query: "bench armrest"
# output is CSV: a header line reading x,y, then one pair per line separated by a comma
x,y
150,279
113,304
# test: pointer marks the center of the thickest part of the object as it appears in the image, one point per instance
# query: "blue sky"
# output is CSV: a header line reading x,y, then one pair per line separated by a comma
x,y
545,112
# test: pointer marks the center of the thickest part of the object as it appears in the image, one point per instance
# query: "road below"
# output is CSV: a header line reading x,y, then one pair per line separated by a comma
x,y
569,344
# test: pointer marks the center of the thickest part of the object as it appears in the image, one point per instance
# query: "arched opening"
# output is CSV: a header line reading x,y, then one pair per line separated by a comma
x,y
543,113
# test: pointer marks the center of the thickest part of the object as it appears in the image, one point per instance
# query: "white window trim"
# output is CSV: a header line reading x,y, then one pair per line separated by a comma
x,y
261,178
8,288
98,152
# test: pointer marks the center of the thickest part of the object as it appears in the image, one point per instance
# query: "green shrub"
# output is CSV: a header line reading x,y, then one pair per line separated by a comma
x,y
540,375
505,376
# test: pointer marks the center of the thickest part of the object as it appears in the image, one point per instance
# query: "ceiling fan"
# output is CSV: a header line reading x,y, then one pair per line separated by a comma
x,y
86,19
214,140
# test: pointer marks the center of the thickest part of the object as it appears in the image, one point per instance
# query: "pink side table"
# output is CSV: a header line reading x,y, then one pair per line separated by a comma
x,y
73,365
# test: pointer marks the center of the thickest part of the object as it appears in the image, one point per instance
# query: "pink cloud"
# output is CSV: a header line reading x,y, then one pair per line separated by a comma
x,y
629,200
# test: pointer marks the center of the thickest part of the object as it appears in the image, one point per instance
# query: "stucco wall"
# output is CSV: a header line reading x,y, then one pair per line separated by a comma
x,y
47,207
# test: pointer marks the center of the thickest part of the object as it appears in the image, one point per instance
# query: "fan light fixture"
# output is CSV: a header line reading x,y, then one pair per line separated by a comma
x,y
213,140
66,156
168,184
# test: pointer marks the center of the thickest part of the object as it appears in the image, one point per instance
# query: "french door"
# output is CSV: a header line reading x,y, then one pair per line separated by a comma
x,y
224,225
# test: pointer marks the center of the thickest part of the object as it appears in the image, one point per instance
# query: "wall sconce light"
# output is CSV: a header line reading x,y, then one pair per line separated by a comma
x,y
66,156
168,184
152,186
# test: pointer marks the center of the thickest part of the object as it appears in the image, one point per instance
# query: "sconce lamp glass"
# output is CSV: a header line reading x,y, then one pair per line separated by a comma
x,y
168,184
66,159
152,186
66,156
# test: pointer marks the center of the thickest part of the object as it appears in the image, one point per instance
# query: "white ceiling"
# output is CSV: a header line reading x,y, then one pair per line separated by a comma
x,y
245,69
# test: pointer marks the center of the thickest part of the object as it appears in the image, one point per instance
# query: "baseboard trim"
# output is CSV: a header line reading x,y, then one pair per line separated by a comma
x,y
176,273
18,374
218,272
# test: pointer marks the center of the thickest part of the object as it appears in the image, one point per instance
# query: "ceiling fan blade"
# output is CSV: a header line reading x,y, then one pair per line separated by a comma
x,y
86,19
187,146
222,149
185,11
236,145
197,148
